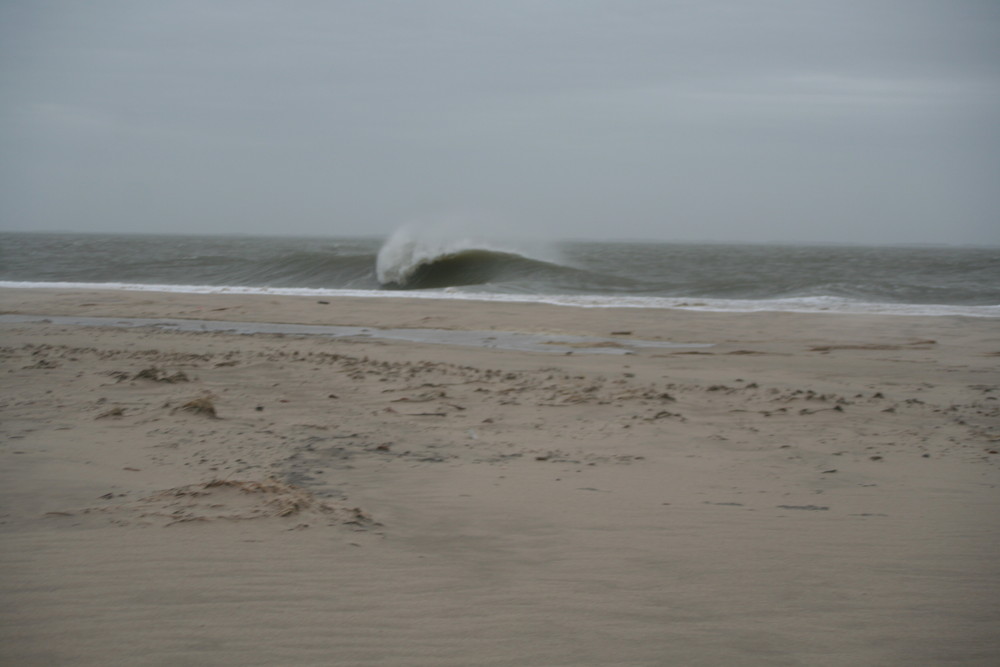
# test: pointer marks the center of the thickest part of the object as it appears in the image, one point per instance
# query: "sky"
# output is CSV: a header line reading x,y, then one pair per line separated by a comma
x,y
834,121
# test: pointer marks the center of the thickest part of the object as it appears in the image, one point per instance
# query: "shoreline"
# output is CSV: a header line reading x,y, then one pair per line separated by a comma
x,y
798,305
808,490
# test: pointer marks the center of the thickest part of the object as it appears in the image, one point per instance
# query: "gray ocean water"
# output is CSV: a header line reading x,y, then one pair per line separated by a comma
x,y
906,280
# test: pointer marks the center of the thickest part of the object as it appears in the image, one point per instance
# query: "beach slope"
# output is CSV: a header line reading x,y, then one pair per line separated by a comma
x,y
805,489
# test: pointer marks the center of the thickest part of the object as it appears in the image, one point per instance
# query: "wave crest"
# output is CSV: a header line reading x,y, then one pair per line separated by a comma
x,y
412,260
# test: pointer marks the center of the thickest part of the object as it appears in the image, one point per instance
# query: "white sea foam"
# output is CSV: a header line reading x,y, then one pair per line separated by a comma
x,y
793,305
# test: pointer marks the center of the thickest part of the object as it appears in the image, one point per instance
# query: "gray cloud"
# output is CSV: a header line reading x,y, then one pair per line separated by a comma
x,y
863,121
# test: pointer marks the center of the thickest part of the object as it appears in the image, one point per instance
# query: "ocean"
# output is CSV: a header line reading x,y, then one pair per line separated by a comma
x,y
904,280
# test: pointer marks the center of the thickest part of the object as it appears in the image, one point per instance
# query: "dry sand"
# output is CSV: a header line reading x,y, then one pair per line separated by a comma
x,y
810,490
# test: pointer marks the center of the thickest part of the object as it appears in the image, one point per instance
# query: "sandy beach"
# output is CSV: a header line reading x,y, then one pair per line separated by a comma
x,y
804,489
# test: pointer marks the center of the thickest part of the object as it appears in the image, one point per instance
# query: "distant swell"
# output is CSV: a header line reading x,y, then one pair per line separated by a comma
x,y
309,269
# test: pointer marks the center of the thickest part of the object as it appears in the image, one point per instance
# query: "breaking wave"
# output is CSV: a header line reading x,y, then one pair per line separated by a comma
x,y
409,260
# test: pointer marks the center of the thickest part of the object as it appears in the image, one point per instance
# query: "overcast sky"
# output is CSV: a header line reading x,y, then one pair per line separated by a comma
x,y
862,121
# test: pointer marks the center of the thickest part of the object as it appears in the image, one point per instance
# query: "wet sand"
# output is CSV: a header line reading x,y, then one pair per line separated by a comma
x,y
805,490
